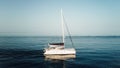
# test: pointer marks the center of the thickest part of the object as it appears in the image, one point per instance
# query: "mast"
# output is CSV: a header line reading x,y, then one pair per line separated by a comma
x,y
62,24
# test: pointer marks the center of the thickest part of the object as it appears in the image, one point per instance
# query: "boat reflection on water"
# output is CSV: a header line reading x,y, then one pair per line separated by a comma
x,y
59,57
57,61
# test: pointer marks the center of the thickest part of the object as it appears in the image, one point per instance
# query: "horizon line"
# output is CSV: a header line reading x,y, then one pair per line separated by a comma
x,y
59,36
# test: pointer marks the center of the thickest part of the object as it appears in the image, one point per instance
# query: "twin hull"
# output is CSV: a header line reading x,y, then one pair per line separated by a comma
x,y
65,51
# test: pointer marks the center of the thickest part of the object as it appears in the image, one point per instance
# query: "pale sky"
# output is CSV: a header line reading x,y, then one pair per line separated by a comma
x,y
42,17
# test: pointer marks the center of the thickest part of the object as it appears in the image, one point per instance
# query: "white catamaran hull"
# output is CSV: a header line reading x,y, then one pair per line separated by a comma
x,y
59,57
66,51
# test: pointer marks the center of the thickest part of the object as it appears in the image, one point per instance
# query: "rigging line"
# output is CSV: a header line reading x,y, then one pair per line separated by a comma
x,y
68,32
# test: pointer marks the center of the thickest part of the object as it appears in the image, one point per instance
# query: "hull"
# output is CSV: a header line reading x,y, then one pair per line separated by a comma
x,y
69,51
59,57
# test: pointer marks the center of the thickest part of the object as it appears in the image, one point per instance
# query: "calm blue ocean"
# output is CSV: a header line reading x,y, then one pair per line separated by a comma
x,y
92,52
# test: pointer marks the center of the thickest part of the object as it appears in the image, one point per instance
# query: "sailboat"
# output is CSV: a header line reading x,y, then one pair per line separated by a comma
x,y
59,48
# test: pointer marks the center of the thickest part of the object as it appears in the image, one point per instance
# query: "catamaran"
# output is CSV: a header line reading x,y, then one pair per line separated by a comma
x,y
59,48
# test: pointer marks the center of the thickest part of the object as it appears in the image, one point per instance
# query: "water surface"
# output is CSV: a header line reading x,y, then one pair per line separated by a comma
x,y
92,52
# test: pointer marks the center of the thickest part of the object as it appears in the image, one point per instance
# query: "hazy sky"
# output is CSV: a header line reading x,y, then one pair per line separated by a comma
x,y
42,17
